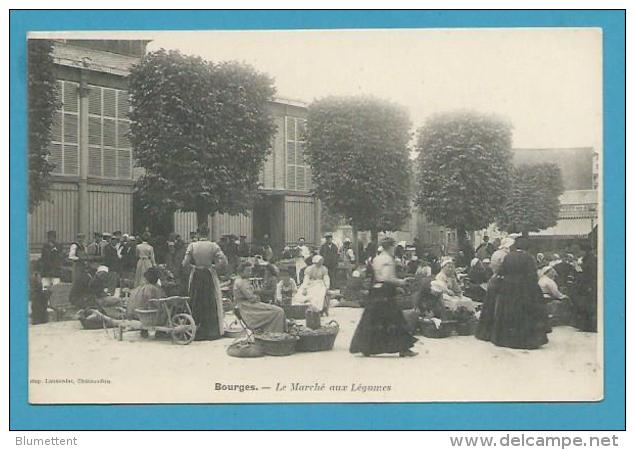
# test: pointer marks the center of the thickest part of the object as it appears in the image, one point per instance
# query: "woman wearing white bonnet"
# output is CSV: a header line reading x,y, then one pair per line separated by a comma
x,y
314,285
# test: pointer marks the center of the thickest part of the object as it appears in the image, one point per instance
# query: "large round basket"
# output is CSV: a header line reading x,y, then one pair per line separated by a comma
x,y
319,340
296,312
429,329
277,344
467,328
148,317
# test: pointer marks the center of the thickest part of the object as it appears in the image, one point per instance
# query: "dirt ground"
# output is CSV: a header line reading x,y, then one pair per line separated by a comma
x,y
71,365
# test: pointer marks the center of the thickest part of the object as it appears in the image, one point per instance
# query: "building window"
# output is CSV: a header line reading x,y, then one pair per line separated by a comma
x,y
109,150
298,173
64,146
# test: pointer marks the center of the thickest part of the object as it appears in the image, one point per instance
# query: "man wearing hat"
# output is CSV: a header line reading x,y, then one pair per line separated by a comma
x,y
51,261
105,242
330,253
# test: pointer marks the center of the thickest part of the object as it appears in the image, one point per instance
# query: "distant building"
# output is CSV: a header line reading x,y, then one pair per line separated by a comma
x,y
92,185
92,182
290,210
579,202
580,176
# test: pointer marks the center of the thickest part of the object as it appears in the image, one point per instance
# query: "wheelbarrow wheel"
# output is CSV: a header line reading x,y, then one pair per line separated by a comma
x,y
184,329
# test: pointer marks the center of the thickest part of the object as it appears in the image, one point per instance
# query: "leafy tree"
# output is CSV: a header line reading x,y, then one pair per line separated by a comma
x,y
533,203
358,151
464,163
43,103
201,130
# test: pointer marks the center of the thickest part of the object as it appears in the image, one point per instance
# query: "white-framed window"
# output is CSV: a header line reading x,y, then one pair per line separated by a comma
x,y
64,146
298,172
109,149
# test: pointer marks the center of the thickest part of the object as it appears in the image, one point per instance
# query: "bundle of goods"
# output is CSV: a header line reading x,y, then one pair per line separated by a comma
x,y
436,329
92,320
296,312
277,344
318,340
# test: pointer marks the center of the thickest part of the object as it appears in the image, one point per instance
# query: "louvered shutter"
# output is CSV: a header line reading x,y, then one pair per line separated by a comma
x,y
109,108
109,133
71,159
94,100
123,105
110,162
122,134
71,97
55,157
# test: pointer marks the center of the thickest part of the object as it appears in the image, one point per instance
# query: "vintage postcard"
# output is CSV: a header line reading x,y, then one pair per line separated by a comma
x,y
341,216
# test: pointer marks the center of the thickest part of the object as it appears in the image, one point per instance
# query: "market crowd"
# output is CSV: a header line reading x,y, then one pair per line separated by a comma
x,y
509,293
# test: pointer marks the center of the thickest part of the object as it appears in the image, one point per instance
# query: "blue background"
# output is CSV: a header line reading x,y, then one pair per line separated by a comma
x,y
604,415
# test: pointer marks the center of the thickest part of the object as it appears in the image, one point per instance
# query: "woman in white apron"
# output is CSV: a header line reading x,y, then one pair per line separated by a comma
x,y
314,285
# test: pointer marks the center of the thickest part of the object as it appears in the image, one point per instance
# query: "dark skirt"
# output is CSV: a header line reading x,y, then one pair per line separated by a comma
x,y
520,316
382,328
484,329
204,307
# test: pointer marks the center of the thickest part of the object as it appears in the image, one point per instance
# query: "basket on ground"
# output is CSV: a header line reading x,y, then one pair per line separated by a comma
x,y
430,330
467,328
277,344
318,340
148,317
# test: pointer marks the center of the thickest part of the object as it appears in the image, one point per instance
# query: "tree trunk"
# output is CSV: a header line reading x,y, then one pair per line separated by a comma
x,y
525,234
355,247
460,238
374,236
202,218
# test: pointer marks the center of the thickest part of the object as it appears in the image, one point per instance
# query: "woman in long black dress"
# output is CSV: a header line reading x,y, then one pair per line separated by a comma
x,y
203,257
519,316
383,328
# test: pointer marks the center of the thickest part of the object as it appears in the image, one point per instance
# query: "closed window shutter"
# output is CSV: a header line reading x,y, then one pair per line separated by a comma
x,y
94,161
110,133
94,100
71,159
301,179
56,127
71,129
55,157
110,162
71,97
123,104
109,102
290,177
290,152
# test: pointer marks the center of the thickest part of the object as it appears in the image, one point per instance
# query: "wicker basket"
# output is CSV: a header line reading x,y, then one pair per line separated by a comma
x,y
466,328
429,329
282,345
318,340
148,317
296,312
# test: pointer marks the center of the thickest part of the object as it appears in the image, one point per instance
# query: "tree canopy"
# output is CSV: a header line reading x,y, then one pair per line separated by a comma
x,y
533,203
43,103
464,163
358,151
201,130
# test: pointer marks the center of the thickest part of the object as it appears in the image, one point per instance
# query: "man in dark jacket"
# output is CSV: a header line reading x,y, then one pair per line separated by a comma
x,y
51,261
330,253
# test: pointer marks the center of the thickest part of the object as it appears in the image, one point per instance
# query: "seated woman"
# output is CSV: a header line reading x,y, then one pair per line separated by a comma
x,y
140,296
257,315
447,284
286,288
98,289
427,302
315,283
548,284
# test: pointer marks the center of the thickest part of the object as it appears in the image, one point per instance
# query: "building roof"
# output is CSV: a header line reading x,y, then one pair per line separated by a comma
x,y
576,163
98,60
